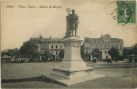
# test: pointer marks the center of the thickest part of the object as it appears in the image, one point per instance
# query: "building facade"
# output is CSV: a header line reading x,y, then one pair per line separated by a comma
x,y
103,43
53,45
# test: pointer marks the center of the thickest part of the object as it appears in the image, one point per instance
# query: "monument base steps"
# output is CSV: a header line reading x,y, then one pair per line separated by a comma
x,y
78,78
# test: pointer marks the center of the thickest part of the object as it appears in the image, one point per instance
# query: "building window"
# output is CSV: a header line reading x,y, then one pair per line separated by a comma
x,y
86,40
51,52
46,45
96,46
101,46
56,46
60,46
105,52
52,46
43,47
56,52
86,48
120,46
86,52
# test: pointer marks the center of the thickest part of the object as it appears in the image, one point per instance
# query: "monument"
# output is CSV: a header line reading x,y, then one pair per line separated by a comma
x,y
72,69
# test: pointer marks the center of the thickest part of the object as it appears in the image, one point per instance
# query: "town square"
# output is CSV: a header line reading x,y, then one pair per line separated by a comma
x,y
79,56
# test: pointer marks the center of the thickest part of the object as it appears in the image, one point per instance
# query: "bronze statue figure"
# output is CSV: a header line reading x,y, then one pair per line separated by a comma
x,y
72,23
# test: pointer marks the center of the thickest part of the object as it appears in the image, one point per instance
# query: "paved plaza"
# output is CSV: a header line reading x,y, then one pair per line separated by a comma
x,y
28,75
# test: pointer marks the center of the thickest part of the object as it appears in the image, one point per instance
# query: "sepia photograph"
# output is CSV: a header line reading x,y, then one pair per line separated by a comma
x,y
68,44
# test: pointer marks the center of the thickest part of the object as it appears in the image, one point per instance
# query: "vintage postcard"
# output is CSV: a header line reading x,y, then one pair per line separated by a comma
x,y
68,44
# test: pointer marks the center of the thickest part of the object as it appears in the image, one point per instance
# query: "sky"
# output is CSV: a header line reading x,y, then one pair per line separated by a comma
x,y
20,23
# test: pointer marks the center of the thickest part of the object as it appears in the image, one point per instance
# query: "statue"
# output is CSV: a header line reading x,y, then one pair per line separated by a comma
x,y
72,23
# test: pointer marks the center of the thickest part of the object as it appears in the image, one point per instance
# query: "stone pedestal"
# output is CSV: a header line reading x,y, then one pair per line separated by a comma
x,y
72,64
72,69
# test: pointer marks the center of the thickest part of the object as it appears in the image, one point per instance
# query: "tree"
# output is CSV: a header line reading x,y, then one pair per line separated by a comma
x,y
127,52
29,50
61,54
82,52
114,53
96,53
134,49
10,53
